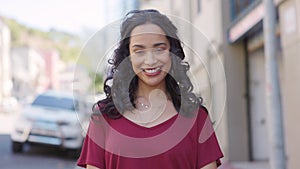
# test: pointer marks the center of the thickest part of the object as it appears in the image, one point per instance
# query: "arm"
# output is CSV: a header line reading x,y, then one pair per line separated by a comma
x,y
212,165
91,167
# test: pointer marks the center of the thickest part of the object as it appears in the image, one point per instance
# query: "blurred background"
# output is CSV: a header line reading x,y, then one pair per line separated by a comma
x,y
41,41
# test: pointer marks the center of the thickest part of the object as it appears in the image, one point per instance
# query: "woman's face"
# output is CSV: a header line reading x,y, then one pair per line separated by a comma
x,y
149,53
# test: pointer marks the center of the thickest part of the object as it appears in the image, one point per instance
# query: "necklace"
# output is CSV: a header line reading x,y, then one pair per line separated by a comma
x,y
149,115
142,106
145,112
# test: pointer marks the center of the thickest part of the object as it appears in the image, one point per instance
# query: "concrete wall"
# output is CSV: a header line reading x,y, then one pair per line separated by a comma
x,y
289,12
237,117
207,40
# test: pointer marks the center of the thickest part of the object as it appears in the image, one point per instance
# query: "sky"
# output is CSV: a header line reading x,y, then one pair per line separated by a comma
x,y
66,15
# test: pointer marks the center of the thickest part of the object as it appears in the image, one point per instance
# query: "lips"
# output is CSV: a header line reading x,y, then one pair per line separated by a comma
x,y
152,71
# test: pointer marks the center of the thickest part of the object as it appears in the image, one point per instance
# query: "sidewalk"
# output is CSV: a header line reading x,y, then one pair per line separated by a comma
x,y
7,121
245,165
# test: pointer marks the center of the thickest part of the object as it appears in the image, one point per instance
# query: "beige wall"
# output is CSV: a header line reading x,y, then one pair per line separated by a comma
x,y
289,12
237,118
207,23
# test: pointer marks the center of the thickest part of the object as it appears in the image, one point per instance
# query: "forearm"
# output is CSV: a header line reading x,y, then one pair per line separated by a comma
x,y
91,167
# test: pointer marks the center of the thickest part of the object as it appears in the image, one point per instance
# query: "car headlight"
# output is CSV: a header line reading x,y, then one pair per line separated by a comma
x,y
23,125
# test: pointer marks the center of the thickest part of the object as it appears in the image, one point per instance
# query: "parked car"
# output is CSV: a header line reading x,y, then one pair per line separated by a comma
x,y
53,118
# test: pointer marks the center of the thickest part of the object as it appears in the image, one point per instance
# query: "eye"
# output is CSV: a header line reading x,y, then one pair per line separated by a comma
x,y
139,51
159,50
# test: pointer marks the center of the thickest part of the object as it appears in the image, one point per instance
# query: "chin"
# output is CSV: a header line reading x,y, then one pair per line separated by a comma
x,y
153,82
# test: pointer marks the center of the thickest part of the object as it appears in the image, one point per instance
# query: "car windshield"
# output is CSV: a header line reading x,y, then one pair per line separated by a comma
x,y
54,102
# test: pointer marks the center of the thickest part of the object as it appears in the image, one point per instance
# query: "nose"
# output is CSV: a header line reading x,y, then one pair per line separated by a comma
x,y
150,58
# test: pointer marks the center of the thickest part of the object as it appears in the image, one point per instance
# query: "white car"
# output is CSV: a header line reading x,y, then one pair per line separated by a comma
x,y
52,119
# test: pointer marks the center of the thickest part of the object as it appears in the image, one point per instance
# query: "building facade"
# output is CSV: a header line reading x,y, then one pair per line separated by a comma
x,y
234,29
29,73
289,16
244,32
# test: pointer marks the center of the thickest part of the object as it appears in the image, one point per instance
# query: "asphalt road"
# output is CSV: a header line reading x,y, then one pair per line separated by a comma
x,y
33,157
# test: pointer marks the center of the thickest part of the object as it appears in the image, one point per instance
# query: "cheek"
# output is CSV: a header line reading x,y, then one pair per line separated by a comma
x,y
167,63
136,64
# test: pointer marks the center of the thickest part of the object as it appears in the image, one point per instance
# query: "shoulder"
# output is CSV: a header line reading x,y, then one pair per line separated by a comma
x,y
203,109
202,112
203,116
106,106
101,104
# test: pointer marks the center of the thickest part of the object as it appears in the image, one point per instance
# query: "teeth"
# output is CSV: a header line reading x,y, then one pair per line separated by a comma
x,y
151,70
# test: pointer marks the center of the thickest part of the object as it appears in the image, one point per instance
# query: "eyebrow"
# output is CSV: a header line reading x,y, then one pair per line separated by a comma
x,y
155,45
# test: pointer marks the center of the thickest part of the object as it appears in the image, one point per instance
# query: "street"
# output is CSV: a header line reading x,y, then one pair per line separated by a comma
x,y
33,157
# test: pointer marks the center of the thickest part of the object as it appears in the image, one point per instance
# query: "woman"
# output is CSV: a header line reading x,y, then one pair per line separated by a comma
x,y
150,118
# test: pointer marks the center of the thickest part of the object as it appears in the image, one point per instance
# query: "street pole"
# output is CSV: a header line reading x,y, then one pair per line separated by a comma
x,y
273,98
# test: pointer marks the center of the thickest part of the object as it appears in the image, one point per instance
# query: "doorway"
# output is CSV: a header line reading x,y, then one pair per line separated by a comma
x,y
258,116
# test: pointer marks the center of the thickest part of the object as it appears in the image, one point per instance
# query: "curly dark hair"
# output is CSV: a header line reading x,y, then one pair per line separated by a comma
x,y
121,94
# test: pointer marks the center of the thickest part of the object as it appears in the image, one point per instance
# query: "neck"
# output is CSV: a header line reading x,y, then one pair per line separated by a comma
x,y
144,90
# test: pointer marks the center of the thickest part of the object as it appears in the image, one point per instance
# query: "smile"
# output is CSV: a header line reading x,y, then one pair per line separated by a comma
x,y
154,70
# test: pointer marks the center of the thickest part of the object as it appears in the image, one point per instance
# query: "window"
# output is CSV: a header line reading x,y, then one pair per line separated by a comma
x,y
198,6
237,6
54,102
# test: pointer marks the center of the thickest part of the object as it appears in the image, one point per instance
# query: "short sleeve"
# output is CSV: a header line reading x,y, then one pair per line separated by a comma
x,y
92,152
208,149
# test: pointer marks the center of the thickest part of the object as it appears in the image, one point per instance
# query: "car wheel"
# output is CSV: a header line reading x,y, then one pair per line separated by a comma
x,y
17,147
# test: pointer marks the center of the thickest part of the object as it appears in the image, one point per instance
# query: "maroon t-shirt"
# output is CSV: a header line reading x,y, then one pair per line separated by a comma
x,y
179,143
